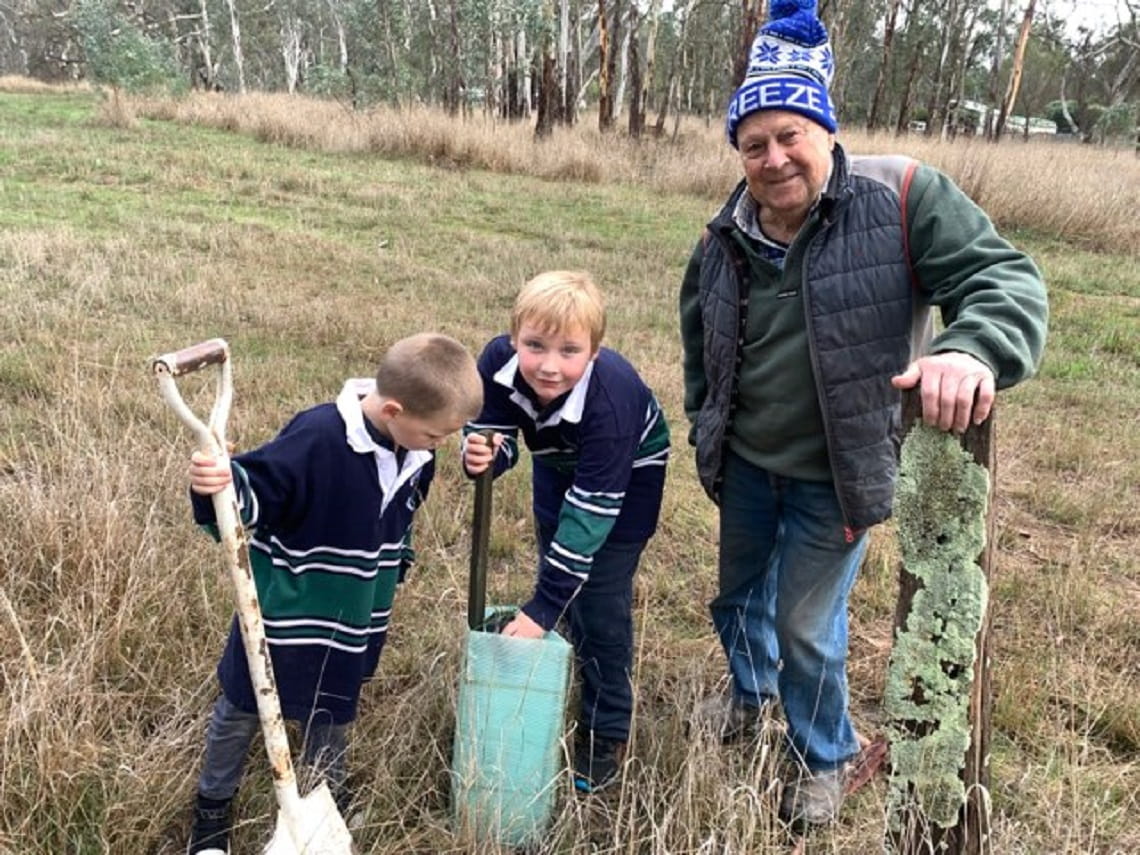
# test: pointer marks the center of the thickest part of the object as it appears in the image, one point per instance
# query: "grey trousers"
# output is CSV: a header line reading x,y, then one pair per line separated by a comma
x,y
231,732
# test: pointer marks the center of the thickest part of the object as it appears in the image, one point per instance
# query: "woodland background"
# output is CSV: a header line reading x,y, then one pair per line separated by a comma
x,y
313,180
940,67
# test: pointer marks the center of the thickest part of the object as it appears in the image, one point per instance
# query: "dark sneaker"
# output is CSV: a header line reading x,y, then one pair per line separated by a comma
x,y
728,718
210,833
597,762
812,799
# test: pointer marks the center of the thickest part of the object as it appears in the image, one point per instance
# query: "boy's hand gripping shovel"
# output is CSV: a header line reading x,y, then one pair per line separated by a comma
x,y
305,826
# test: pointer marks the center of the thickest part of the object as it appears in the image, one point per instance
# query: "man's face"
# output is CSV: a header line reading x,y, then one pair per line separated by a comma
x,y
786,158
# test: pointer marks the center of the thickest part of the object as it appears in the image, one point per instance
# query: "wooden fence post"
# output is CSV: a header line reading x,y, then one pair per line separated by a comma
x,y
970,834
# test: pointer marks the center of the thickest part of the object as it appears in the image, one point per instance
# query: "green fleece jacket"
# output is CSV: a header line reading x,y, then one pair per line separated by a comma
x,y
991,297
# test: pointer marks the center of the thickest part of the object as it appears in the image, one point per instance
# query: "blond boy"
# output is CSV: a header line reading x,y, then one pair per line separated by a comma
x,y
599,444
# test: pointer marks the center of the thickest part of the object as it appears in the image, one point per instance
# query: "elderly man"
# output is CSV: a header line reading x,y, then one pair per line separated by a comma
x,y
805,308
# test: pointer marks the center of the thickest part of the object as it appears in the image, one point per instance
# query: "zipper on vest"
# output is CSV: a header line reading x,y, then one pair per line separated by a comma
x,y
848,532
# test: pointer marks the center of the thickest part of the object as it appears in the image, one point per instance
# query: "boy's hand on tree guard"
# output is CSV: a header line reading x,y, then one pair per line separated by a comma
x,y
523,627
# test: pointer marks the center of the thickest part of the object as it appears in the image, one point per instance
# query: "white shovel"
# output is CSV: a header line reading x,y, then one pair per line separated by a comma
x,y
305,826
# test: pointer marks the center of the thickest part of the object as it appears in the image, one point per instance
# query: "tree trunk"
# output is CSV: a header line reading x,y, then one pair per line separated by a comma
x,y
995,70
291,50
493,74
750,18
528,69
618,57
676,66
453,96
204,47
884,66
235,38
934,105
433,55
636,106
971,834
605,71
563,67
904,102
650,56
547,94
621,55
1068,117
1015,73
950,123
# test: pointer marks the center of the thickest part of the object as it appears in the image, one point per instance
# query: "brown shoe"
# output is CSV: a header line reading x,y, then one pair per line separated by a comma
x,y
813,799
728,718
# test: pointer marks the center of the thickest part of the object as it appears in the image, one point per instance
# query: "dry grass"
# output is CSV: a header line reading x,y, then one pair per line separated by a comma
x,y
118,244
18,84
1082,193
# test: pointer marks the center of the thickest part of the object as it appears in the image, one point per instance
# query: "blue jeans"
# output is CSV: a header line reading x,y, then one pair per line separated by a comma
x,y
601,629
786,568
227,745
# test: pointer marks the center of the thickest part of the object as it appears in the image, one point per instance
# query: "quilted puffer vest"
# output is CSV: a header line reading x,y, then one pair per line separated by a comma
x,y
864,322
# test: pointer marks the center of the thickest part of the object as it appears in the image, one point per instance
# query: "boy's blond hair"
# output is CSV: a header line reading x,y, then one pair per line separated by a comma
x,y
557,300
431,374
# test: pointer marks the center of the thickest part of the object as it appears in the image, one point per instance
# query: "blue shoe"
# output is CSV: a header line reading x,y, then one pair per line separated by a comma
x,y
597,761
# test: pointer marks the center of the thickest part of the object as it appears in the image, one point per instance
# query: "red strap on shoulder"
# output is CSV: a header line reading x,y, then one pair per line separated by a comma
x,y
904,190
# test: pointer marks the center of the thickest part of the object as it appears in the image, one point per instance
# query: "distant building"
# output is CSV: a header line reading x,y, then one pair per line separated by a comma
x,y
972,117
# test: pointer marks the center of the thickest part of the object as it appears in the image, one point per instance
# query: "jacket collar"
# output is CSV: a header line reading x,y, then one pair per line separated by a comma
x,y
390,474
571,408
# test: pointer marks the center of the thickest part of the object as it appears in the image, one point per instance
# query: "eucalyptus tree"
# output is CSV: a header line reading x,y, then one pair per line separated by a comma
x,y
119,52
1015,72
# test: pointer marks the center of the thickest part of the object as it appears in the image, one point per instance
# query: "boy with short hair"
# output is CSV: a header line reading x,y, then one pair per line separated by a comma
x,y
600,443
329,504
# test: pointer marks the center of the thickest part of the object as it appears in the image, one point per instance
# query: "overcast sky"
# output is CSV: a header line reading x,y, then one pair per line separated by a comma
x,y
1098,15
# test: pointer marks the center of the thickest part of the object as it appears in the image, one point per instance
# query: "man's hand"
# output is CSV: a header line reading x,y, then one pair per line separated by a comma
x,y
207,476
956,389
523,627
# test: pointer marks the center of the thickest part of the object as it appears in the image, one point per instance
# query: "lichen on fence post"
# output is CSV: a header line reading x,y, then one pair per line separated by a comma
x,y
941,515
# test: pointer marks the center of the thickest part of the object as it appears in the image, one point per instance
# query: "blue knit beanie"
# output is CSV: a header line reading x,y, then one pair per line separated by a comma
x,y
789,68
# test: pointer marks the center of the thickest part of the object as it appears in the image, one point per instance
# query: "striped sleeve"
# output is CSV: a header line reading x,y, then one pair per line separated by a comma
x,y
590,508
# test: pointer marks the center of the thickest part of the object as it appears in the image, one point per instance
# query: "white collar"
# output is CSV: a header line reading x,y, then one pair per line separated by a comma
x,y
571,409
389,473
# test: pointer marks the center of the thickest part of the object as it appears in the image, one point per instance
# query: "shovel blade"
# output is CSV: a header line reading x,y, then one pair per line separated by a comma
x,y
312,826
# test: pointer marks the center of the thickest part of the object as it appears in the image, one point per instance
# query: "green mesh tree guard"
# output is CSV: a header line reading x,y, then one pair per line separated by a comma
x,y
507,758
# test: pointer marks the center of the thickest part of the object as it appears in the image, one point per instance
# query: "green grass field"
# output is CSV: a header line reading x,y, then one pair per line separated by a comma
x,y
121,242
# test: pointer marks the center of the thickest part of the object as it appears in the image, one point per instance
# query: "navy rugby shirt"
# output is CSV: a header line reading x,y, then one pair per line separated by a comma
x,y
598,453
329,506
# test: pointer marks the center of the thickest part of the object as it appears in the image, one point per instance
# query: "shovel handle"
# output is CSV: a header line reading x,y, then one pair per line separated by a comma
x,y
480,542
213,351
211,437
